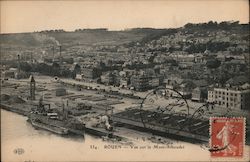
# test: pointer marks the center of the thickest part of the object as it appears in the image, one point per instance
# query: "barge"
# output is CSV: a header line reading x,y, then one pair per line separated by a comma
x,y
52,128
55,124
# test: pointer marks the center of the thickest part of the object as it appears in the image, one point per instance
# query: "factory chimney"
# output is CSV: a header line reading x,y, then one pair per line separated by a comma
x,y
64,112
60,52
31,57
53,53
32,88
18,63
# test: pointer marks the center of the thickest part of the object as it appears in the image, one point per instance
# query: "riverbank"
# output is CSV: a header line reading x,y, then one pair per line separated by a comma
x,y
39,144
90,130
16,109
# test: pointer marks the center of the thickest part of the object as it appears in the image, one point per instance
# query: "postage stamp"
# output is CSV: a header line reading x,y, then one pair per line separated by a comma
x,y
227,137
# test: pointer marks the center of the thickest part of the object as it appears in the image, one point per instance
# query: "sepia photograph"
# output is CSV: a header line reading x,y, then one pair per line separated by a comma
x,y
125,80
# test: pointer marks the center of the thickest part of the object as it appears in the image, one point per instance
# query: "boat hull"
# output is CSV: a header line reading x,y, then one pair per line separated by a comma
x,y
51,128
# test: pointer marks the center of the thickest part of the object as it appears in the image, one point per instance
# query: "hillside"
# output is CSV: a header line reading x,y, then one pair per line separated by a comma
x,y
192,38
87,37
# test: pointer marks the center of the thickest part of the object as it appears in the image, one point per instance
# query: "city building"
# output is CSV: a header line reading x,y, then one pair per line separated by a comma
x,y
184,58
124,82
233,98
8,74
199,68
107,78
196,94
79,77
184,91
154,82
140,82
199,58
60,90
90,72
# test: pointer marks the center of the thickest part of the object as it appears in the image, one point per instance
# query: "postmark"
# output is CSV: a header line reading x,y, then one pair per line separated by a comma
x,y
227,137
168,104
167,111
165,102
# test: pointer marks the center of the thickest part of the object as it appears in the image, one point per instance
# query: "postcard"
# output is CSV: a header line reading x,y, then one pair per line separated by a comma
x,y
125,80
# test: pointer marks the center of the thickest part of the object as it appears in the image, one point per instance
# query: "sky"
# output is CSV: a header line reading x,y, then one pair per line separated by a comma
x,y
28,16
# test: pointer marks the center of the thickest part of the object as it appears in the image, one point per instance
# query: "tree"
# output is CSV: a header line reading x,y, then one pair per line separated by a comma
x,y
213,63
25,67
55,69
189,25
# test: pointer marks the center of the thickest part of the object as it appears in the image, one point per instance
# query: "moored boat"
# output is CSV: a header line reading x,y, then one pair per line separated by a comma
x,y
52,128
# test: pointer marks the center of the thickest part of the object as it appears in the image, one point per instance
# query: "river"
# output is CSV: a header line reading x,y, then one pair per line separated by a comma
x,y
40,145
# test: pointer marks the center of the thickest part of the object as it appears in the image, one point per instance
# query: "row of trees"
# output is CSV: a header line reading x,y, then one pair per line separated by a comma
x,y
213,24
51,31
45,69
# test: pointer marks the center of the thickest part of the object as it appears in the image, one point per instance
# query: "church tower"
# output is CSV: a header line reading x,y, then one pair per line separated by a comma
x,y
32,88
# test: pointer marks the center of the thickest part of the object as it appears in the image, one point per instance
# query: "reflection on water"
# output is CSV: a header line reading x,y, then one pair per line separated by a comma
x,y
16,126
18,133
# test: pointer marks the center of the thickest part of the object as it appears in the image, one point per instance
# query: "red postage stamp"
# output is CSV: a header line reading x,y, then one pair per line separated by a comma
x,y
227,137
